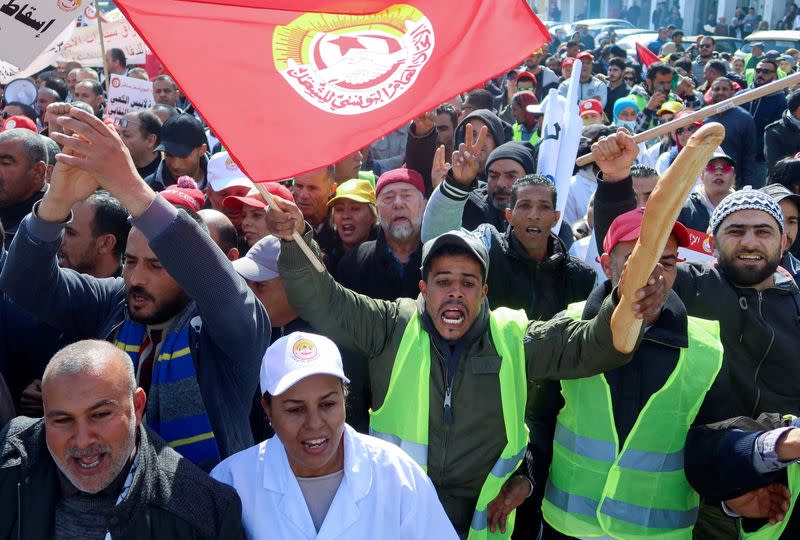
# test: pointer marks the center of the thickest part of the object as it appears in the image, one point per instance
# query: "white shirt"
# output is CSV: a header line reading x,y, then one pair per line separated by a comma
x,y
384,494
581,188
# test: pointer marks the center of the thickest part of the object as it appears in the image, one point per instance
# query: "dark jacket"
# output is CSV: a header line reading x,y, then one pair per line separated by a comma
x,y
372,270
169,497
162,178
331,246
229,334
720,466
764,111
740,143
791,264
694,213
463,450
10,216
760,331
781,139
540,289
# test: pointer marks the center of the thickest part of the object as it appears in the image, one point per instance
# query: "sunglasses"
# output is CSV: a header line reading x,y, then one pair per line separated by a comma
x,y
690,129
725,168
628,79
762,71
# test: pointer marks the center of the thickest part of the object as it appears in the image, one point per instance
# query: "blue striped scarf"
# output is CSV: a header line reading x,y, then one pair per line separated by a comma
x,y
175,408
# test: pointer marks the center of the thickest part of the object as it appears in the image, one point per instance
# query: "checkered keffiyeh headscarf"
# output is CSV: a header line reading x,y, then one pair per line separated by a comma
x,y
746,199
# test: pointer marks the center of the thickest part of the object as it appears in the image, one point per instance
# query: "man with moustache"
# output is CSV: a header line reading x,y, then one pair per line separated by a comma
x,y
91,468
790,208
389,266
193,329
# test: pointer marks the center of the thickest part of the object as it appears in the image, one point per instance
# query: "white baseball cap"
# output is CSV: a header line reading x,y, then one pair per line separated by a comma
x,y
224,173
297,356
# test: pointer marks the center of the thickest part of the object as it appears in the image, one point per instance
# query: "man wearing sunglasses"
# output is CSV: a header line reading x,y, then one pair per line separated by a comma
x,y
717,183
765,110
705,55
740,135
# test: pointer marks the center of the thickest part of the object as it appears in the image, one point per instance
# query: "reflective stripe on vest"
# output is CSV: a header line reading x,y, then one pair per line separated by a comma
x,y
642,491
404,416
517,135
774,531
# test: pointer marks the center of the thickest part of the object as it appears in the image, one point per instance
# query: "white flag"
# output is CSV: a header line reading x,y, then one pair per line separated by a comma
x,y
572,125
552,128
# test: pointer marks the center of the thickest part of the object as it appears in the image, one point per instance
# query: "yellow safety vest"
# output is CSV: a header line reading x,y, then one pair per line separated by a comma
x,y
639,492
404,416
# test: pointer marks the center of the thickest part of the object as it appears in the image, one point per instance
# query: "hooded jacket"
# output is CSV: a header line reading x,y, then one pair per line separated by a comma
x,y
168,498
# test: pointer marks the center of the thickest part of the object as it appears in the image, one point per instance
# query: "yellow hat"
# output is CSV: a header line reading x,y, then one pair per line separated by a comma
x,y
670,107
360,191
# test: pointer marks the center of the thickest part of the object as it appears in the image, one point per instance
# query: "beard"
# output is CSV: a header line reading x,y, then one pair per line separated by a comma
x,y
164,310
404,231
747,277
497,204
118,460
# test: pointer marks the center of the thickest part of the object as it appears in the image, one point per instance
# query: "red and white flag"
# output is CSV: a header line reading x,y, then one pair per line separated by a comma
x,y
293,85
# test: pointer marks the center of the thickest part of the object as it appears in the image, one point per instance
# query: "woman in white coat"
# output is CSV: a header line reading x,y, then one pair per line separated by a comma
x,y
317,478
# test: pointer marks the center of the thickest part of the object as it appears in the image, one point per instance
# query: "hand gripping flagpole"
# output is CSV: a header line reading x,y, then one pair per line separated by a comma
x,y
295,235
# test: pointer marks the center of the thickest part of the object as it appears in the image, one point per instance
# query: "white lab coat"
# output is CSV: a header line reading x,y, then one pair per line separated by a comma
x,y
384,494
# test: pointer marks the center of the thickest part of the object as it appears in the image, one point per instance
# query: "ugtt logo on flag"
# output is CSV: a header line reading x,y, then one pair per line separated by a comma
x,y
351,64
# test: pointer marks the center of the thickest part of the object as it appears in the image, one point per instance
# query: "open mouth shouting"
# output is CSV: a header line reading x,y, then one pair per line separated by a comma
x,y
453,315
315,446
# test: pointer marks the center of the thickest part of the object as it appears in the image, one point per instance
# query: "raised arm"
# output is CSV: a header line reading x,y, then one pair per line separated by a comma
x,y
352,320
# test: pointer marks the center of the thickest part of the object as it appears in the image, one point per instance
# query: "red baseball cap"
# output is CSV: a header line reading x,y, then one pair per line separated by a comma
x,y
527,75
568,61
628,227
22,122
591,105
185,194
254,198
585,55
408,176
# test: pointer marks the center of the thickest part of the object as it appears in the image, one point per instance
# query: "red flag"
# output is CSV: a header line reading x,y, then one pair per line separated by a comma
x,y
293,85
646,56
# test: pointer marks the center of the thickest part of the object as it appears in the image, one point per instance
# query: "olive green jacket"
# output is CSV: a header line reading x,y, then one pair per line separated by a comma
x,y
460,454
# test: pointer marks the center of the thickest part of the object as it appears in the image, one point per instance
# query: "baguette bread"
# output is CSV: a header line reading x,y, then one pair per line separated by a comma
x,y
660,213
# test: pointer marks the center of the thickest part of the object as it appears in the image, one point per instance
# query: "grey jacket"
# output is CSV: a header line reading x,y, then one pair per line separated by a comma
x,y
228,337
168,498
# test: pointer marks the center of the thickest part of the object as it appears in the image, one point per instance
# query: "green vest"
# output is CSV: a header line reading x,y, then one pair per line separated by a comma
x,y
403,418
774,531
517,129
594,489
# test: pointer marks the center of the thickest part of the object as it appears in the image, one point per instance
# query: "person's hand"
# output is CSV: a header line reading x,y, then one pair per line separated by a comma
x,y
614,155
68,184
30,402
289,219
650,298
511,89
53,111
770,502
424,123
685,87
656,100
440,167
96,148
514,492
465,164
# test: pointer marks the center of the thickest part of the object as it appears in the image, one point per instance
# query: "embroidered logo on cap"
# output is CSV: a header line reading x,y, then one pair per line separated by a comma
x,y
304,350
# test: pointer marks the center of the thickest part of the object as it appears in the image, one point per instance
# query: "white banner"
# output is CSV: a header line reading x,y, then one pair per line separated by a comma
x,y
127,94
9,72
28,27
570,139
84,45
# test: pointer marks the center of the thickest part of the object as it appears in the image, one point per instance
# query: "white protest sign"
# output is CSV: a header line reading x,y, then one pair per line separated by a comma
x,y
84,45
127,94
28,27
9,72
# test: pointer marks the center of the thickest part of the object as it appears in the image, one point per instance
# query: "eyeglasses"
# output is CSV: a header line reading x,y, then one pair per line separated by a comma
x,y
762,71
691,129
725,168
628,79
124,122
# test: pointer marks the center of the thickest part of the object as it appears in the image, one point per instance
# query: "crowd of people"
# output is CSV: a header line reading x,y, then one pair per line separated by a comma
x,y
173,364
